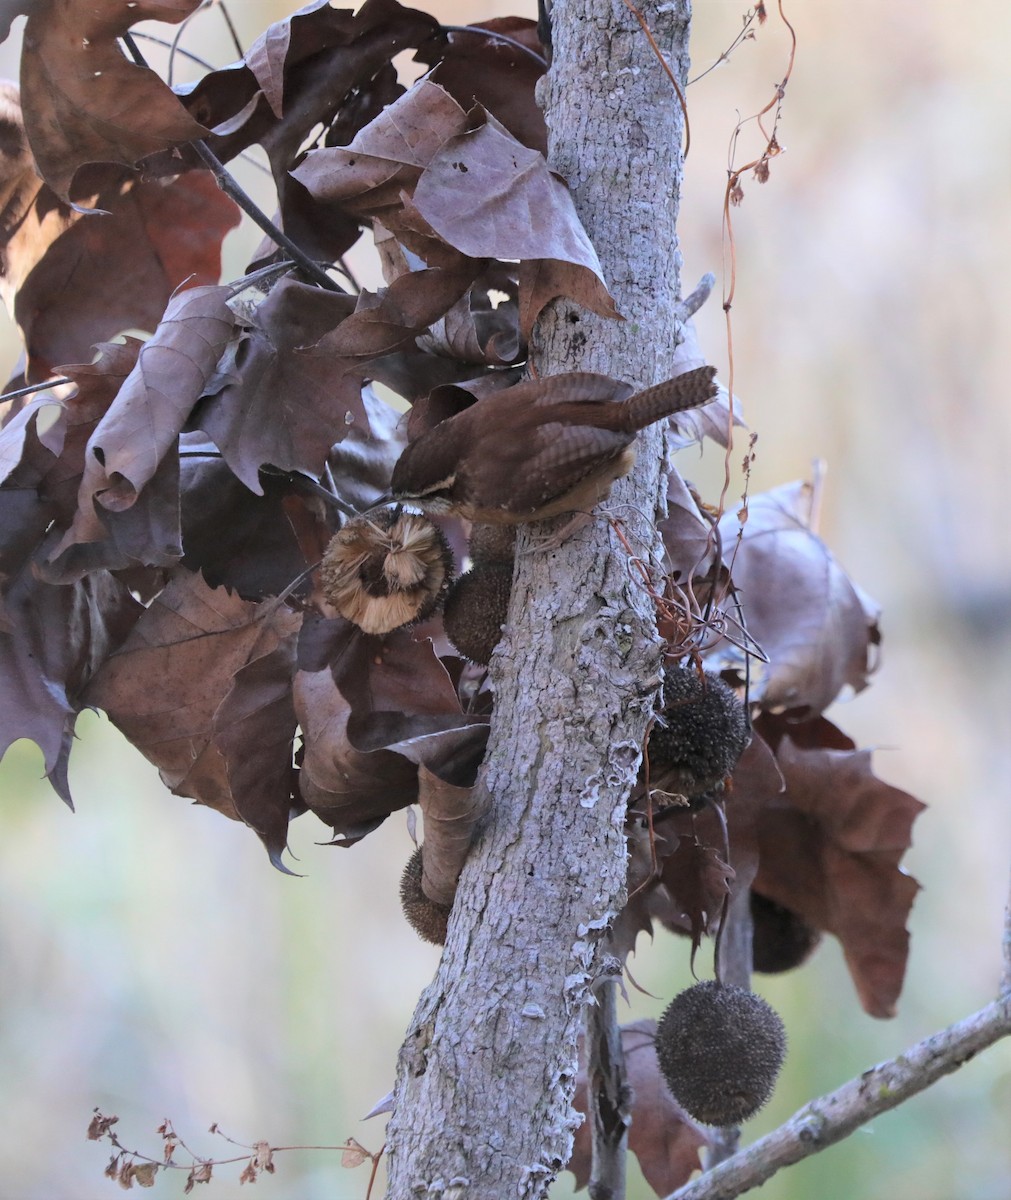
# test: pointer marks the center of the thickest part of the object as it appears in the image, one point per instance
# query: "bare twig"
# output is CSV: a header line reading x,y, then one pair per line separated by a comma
x,y
608,1099
733,967
230,186
36,387
833,1117
1005,979
495,36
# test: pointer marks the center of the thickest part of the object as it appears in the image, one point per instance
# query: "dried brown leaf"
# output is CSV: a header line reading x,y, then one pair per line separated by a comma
x,y
278,400
52,642
84,101
814,624
451,816
489,72
366,177
72,280
204,647
350,790
830,850
141,427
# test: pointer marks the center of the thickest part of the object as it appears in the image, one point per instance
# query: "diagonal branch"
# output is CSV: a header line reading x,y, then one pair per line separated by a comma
x,y
833,1117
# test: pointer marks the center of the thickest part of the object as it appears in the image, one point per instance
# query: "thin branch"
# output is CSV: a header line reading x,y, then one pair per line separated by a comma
x,y
608,1098
831,1118
1005,979
498,37
35,387
230,186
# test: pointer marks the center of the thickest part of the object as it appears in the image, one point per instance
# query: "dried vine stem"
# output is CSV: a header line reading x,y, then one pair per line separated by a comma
x,y
835,1116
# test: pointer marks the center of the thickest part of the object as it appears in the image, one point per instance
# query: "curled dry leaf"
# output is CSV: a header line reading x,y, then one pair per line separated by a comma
x,y
141,427
662,1136
84,101
830,848
816,627
451,817
351,790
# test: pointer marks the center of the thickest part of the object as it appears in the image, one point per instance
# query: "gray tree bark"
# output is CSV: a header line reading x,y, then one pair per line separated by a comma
x,y
487,1071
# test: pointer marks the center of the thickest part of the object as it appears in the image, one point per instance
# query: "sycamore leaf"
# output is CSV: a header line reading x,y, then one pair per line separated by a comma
x,y
277,400
72,280
805,612
220,667
830,849
351,790
84,101
52,642
451,816
387,156
489,72
662,1136
392,318
141,427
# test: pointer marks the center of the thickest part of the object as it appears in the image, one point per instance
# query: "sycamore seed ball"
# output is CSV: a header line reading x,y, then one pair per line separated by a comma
x,y
493,543
781,938
700,734
476,609
428,919
720,1049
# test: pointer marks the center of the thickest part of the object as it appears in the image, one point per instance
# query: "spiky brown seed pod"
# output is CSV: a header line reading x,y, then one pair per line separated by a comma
x,y
476,609
386,570
699,735
781,939
428,919
720,1048
493,543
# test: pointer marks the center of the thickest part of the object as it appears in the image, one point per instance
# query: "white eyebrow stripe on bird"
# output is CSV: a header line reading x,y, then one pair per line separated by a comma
x,y
442,486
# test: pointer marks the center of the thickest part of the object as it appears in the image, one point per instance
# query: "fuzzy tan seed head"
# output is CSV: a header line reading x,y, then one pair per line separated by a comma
x,y
386,570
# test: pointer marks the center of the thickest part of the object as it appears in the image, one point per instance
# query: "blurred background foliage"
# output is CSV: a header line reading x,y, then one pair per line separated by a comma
x,y
153,963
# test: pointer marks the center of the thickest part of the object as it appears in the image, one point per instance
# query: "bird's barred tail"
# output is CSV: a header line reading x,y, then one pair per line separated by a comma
x,y
689,390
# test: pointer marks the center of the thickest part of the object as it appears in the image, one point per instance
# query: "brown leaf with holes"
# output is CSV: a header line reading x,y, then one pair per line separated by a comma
x,y
830,850
217,716
366,177
84,101
662,1136
140,429
488,196
817,628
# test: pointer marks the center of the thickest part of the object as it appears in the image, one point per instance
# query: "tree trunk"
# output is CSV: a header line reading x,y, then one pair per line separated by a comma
x,y
486,1074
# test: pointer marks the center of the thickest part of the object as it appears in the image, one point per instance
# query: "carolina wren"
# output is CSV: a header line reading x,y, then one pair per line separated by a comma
x,y
540,448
